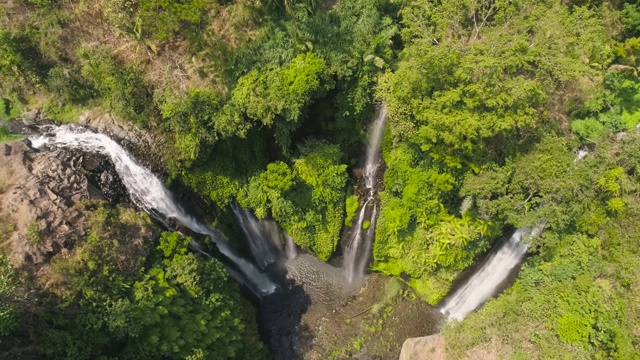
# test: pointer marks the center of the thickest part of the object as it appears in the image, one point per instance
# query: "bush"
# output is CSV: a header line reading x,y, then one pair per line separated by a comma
x,y
120,86
130,300
160,20
68,85
351,208
7,135
306,199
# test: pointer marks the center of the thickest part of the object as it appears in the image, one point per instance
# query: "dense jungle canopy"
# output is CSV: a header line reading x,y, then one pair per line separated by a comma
x,y
266,102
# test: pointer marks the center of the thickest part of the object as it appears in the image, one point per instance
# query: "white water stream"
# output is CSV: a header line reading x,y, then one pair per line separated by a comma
x,y
147,191
358,252
484,283
263,237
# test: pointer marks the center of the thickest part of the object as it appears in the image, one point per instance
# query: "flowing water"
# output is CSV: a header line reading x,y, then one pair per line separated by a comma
x,y
147,191
263,237
358,252
485,282
290,248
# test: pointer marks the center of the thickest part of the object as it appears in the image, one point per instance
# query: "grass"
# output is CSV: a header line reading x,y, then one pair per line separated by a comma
x,y
63,114
33,233
6,135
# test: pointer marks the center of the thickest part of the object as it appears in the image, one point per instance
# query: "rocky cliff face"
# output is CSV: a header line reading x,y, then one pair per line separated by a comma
x,y
40,193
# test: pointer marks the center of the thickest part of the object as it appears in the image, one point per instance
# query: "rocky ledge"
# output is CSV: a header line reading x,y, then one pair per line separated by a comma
x,y
40,197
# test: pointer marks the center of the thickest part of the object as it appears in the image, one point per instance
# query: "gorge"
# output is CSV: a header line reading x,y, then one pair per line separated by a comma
x,y
271,246
319,179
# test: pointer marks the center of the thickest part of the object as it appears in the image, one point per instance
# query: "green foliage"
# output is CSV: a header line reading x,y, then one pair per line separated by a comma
x,y
9,317
289,6
120,86
172,243
351,208
6,134
306,199
366,224
7,227
42,3
68,85
165,19
20,60
572,299
132,302
588,129
614,107
264,102
33,233
631,19
279,93
192,120
160,20
481,87
227,166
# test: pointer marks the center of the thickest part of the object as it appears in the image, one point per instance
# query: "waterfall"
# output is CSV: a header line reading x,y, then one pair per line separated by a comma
x,y
290,247
147,191
358,252
486,281
263,237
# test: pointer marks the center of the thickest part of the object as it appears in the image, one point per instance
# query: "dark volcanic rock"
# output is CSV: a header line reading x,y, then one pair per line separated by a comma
x,y
89,162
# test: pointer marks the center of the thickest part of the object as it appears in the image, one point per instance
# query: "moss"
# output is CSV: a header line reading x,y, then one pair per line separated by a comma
x,y
351,206
366,224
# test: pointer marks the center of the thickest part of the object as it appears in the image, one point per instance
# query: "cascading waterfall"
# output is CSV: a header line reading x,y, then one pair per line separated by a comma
x,y
147,191
485,282
262,236
358,252
290,248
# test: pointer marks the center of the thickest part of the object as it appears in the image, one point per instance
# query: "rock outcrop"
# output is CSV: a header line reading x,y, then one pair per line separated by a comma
x,y
39,194
423,348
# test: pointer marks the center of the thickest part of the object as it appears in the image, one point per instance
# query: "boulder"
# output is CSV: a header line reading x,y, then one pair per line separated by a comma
x,y
423,348
30,117
90,163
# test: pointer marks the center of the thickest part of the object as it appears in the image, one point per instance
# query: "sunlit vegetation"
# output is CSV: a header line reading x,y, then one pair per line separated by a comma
x,y
126,298
265,103
7,135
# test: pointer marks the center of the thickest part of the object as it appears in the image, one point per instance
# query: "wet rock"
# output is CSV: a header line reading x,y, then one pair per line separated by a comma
x,y
145,146
90,163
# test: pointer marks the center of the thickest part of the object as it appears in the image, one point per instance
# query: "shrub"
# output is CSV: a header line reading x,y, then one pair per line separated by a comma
x,y
351,205
120,86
